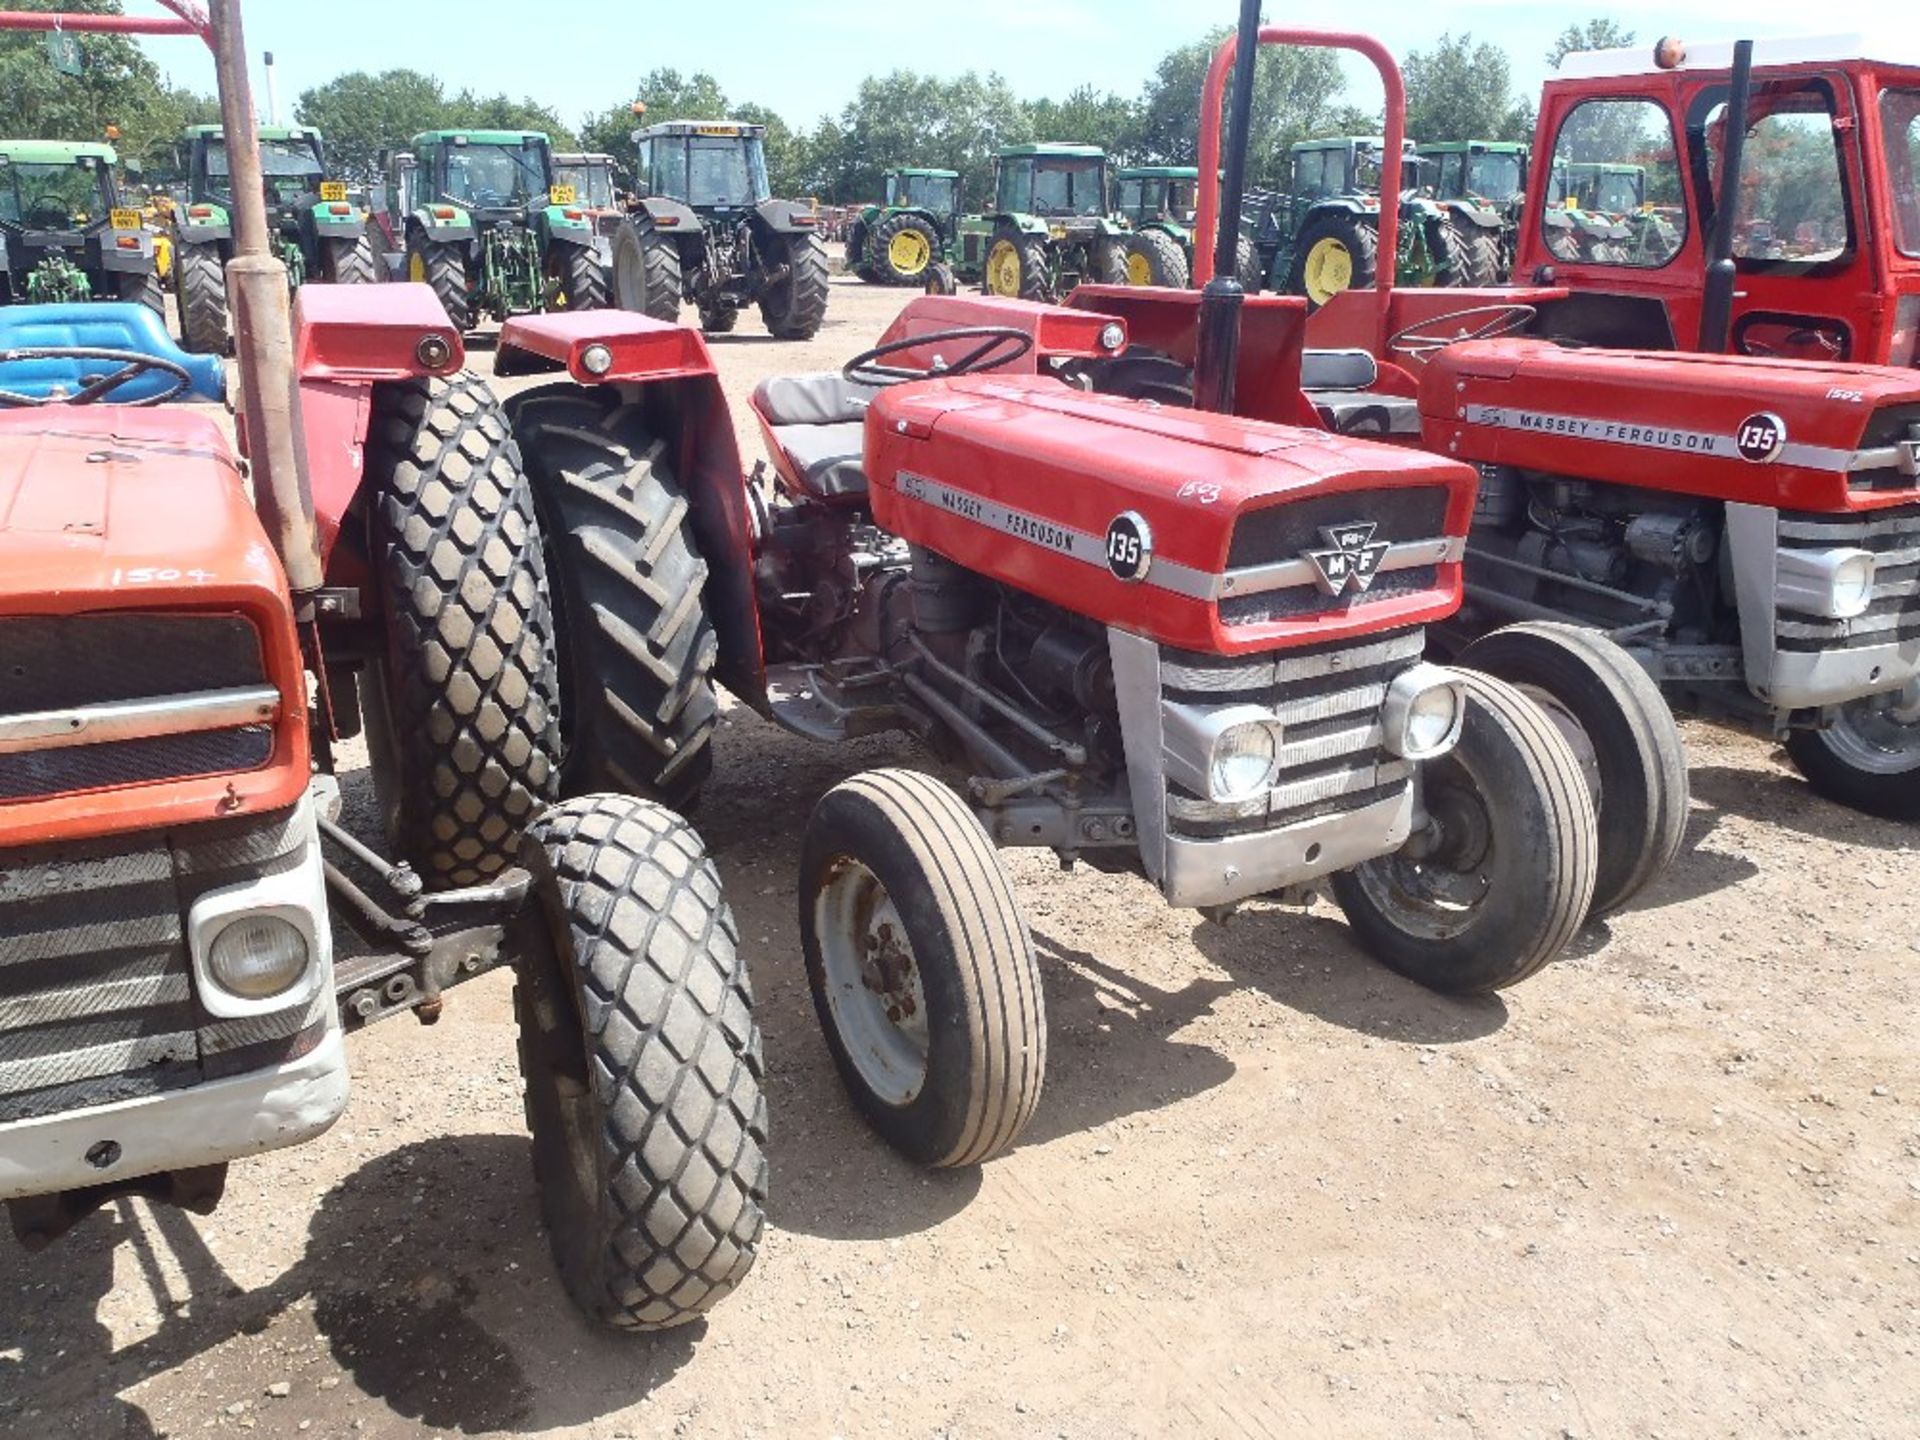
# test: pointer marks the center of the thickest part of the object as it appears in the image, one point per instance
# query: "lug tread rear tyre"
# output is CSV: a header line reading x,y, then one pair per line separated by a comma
x,y
647,275
1165,261
1356,233
1481,249
641,1025
200,285
1246,265
637,646
1524,758
1642,761
1107,257
445,268
144,290
796,308
1035,280
881,255
989,1031
469,693
587,286
350,262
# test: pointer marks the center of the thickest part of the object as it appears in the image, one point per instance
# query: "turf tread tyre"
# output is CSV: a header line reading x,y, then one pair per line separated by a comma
x,y
647,275
1525,757
1641,759
1359,236
880,253
637,646
796,308
200,285
445,269
350,262
1160,253
989,1030
586,279
466,705
637,1025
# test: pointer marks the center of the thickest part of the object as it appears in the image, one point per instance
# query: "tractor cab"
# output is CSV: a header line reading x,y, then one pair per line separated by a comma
x,y
1490,172
1165,194
937,192
713,167
308,214
64,235
1051,226
1826,241
495,175
584,180
1063,184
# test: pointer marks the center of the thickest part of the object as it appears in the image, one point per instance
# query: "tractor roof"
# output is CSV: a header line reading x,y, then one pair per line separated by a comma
x,y
1457,147
926,174
1053,149
267,132
1159,172
700,127
56,152
476,137
1340,142
576,157
1884,47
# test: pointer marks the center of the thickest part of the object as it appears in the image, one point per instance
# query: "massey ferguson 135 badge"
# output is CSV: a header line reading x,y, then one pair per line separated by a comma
x,y
1352,562
1761,437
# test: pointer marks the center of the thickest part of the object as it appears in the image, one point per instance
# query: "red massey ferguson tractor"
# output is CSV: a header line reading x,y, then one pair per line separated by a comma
x,y
1747,525
1188,646
176,669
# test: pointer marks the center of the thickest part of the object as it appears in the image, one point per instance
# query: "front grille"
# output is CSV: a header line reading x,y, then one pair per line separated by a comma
x,y
1893,614
96,989
1284,532
1298,600
1327,699
1270,576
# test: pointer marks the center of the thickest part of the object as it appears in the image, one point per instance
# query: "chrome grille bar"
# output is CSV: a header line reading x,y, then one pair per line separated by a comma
x,y
138,719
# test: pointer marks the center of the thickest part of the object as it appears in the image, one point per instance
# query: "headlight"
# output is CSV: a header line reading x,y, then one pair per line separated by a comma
x,y
1112,335
1244,760
257,956
1833,584
1423,712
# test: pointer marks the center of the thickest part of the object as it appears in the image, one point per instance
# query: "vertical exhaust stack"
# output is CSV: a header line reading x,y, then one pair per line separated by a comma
x,y
273,93
1218,344
1716,301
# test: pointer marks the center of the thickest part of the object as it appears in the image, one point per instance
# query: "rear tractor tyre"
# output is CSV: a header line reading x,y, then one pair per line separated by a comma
x,y
719,319
1624,736
1153,258
444,267
1107,259
637,648
1501,877
1017,267
1337,251
904,247
922,971
200,281
1451,256
1868,758
463,713
941,280
641,1057
796,308
350,262
647,276
1246,266
857,262
1480,251
586,279
143,289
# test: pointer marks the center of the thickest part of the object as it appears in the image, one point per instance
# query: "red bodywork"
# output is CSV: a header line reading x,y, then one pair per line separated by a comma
x,y
1859,293
109,509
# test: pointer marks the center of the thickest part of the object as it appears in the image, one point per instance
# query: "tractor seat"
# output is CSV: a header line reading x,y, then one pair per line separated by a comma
x,y
819,423
98,325
1339,383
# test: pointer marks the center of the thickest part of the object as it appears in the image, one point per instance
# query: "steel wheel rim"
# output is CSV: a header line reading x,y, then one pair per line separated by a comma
x,y
1139,272
416,267
1434,895
909,252
1003,270
1329,269
1878,734
872,983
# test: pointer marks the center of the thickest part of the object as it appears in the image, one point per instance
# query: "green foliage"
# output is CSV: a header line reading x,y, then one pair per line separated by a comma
x,y
1462,91
1597,34
904,118
363,114
1087,117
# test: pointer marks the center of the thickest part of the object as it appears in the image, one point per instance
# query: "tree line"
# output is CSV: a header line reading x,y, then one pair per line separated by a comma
x,y
1458,88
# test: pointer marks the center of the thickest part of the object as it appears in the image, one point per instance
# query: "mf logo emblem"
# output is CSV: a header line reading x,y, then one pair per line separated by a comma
x,y
1353,559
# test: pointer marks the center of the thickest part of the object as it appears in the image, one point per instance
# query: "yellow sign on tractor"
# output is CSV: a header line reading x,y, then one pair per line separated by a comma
x,y
333,190
561,195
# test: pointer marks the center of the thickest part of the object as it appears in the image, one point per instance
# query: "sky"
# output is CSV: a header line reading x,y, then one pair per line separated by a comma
x,y
805,58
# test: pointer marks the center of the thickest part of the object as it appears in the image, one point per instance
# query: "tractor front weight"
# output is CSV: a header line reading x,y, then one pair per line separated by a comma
x,y
510,282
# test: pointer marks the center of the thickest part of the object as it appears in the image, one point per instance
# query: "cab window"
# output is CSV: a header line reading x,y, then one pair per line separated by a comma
x,y
1791,213
1900,122
1618,197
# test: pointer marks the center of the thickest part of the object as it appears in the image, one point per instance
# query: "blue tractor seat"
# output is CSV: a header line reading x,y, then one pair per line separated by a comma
x,y
98,325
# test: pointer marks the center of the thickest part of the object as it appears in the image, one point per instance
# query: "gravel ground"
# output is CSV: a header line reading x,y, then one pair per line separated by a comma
x,y
1670,1186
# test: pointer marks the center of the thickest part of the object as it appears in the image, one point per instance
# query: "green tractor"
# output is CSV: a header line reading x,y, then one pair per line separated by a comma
x,y
1597,211
1051,226
64,235
477,215
1322,236
1158,203
708,231
900,241
584,180
319,230
1488,175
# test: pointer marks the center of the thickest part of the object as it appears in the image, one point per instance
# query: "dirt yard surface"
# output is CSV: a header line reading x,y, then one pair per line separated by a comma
x,y
1670,1186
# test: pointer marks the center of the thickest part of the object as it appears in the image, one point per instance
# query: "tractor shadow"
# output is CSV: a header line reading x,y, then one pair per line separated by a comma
x,y
425,1278
1307,961
1788,802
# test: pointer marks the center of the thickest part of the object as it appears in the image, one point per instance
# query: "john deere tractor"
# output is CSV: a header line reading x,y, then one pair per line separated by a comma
x,y
1322,236
898,242
1488,175
708,231
1598,212
479,217
589,178
1050,228
1158,202
319,232
64,234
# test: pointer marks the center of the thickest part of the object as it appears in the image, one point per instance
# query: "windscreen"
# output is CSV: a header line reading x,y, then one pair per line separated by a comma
x,y
1496,176
592,184
62,196
1069,187
724,171
931,192
1900,119
290,168
495,177
1792,203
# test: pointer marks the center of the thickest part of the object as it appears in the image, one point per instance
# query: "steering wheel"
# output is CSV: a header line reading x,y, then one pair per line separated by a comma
x,y
1423,341
96,389
1000,345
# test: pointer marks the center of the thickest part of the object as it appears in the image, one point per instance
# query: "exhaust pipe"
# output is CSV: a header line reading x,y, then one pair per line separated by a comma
x,y
1217,354
1716,300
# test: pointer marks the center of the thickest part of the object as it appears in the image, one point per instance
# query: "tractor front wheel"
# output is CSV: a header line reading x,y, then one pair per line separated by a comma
x,y
586,279
1500,876
1017,266
922,970
647,277
857,261
941,280
144,289
350,262
444,267
796,306
1868,758
904,247
1153,258
1337,251
200,283
645,1089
